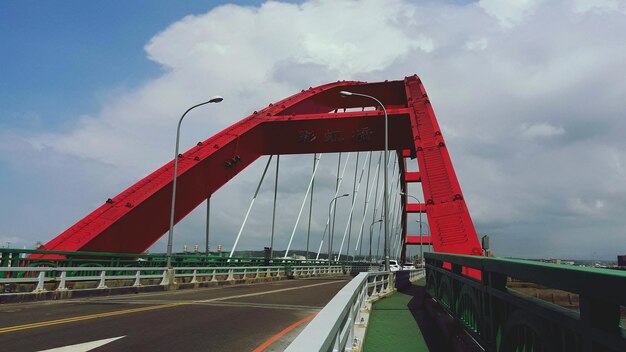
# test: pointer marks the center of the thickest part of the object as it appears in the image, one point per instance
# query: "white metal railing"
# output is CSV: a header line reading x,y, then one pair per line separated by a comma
x,y
417,274
60,277
305,271
334,327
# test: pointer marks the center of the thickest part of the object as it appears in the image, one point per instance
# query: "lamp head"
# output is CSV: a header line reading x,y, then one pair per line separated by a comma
x,y
216,99
345,93
345,195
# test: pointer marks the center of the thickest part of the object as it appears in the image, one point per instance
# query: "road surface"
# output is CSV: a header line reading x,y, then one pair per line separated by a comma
x,y
253,317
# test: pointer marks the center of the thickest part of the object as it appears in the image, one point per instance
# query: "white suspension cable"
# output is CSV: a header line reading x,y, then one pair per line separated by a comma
x,y
394,189
245,219
308,190
393,220
380,225
351,211
368,195
356,167
397,210
328,220
367,199
380,155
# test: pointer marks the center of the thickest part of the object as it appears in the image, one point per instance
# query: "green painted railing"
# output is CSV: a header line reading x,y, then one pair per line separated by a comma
x,y
20,258
502,319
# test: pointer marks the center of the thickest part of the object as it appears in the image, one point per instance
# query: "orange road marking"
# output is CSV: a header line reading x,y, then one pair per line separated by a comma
x,y
273,339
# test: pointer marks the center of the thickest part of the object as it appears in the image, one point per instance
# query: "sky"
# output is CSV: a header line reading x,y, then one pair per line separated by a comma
x,y
529,93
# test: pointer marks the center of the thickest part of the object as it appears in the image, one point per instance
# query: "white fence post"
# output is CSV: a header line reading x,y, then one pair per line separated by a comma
x,y
102,283
137,282
230,275
63,277
164,281
133,276
41,279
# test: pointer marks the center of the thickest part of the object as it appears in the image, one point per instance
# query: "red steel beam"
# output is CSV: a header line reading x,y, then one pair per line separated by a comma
x,y
413,176
316,120
416,208
411,240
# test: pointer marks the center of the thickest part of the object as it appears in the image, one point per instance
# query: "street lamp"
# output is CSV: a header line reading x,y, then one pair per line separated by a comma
x,y
375,222
170,237
420,221
344,93
332,228
421,244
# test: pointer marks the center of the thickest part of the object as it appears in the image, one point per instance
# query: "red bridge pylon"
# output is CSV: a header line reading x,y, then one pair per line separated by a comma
x,y
311,121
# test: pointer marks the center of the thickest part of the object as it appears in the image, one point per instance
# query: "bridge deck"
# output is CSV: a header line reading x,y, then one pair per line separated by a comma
x,y
400,323
227,318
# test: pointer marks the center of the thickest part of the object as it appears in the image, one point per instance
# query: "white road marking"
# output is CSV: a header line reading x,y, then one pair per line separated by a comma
x,y
84,347
180,292
265,292
260,305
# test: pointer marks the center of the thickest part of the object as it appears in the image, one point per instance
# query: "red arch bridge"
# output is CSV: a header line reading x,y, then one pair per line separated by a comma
x,y
465,301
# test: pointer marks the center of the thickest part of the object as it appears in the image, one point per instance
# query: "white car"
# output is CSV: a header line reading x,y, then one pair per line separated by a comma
x,y
408,266
393,265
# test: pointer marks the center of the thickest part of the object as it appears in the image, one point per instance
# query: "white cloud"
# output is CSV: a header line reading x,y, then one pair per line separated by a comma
x,y
599,6
495,71
477,45
586,208
509,13
541,130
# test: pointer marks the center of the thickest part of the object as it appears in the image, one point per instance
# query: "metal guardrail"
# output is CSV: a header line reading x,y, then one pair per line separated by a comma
x,y
63,278
333,329
12,257
501,319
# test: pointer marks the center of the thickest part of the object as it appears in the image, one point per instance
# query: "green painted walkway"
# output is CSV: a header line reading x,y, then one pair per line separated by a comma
x,y
399,323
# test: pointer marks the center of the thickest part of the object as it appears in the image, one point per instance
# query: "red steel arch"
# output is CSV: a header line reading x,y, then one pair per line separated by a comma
x,y
312,121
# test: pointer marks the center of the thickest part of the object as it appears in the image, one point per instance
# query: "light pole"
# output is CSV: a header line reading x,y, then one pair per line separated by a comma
x,y
208,218
421,244
420,221
386,205
375,222
332,228
170,236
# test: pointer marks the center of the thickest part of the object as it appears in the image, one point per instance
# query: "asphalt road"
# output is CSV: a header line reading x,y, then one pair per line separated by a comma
x,y
230,318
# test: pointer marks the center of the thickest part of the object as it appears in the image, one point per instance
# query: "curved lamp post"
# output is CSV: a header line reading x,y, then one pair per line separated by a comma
x,y
170,237
431,239
344,93
420,221
331,231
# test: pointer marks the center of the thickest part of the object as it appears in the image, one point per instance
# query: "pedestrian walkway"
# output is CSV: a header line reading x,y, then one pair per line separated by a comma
x,y
399,323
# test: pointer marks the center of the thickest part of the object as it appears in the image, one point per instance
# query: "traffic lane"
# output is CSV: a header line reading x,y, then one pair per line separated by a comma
x,y
19,314
231,326
214,292
305,297
180,328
